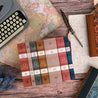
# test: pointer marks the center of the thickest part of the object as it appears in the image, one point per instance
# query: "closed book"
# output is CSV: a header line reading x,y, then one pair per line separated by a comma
x,y
63,58
69,57
30,63
92,27
35,61
89,86
24,65
42,61
52,60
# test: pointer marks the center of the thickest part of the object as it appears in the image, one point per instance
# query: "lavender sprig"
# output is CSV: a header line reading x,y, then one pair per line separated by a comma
x,y
6,80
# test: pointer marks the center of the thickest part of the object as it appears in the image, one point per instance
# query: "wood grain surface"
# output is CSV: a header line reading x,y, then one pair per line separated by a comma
x,y
59,90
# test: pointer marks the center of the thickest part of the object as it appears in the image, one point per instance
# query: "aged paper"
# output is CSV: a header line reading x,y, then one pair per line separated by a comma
x,y
95,2
81,59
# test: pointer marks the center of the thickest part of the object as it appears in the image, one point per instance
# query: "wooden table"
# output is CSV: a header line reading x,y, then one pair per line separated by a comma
x,y
61,90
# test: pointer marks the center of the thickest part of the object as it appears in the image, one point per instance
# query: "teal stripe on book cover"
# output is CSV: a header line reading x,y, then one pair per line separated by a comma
x,y
35,63
69,56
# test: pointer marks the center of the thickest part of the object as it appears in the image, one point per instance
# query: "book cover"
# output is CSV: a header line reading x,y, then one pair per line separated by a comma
x,y
24,65
89,86
35,61
42,62
52,60
80,56
63,58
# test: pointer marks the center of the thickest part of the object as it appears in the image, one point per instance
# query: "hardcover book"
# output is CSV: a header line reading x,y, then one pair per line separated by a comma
x,y
52,60
46,61
89,86
92,25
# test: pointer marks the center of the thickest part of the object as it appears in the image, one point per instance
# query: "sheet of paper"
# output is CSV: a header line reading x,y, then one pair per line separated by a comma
x,y
95,2
81,59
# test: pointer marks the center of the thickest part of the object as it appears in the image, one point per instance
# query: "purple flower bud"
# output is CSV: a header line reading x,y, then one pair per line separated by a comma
x,y
6,80
1,79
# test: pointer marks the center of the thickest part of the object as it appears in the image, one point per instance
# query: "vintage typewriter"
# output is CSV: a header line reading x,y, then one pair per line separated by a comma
x,y
13,20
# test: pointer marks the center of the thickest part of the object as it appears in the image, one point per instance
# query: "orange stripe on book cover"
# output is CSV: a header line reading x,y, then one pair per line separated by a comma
x,y
30,63
63,58
42,61
24,65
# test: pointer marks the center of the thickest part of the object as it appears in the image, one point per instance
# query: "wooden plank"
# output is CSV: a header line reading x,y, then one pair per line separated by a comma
x,y
66,1
62,90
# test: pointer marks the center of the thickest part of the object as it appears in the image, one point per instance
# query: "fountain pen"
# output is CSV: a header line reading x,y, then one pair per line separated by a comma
x,y
69,27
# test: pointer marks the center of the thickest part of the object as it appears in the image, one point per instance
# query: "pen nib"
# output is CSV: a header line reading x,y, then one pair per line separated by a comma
x,y
78,40
69,26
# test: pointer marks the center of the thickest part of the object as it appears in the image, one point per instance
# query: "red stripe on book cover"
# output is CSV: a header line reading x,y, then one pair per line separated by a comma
x,y
24,65
63,59
30,63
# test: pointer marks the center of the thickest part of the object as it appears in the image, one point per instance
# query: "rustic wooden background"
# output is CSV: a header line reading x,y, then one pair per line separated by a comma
x,y
61,90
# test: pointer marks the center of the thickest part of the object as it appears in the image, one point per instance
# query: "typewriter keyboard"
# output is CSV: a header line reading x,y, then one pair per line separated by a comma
x,y
12,26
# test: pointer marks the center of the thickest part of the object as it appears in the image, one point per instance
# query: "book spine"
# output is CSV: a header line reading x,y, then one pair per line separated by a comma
x,y
91,35
69,57
96,31
42,61
24,65
52,60
30,63
63,58
35,61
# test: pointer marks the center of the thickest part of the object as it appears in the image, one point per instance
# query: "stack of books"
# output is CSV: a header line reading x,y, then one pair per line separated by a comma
x,y
46,61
